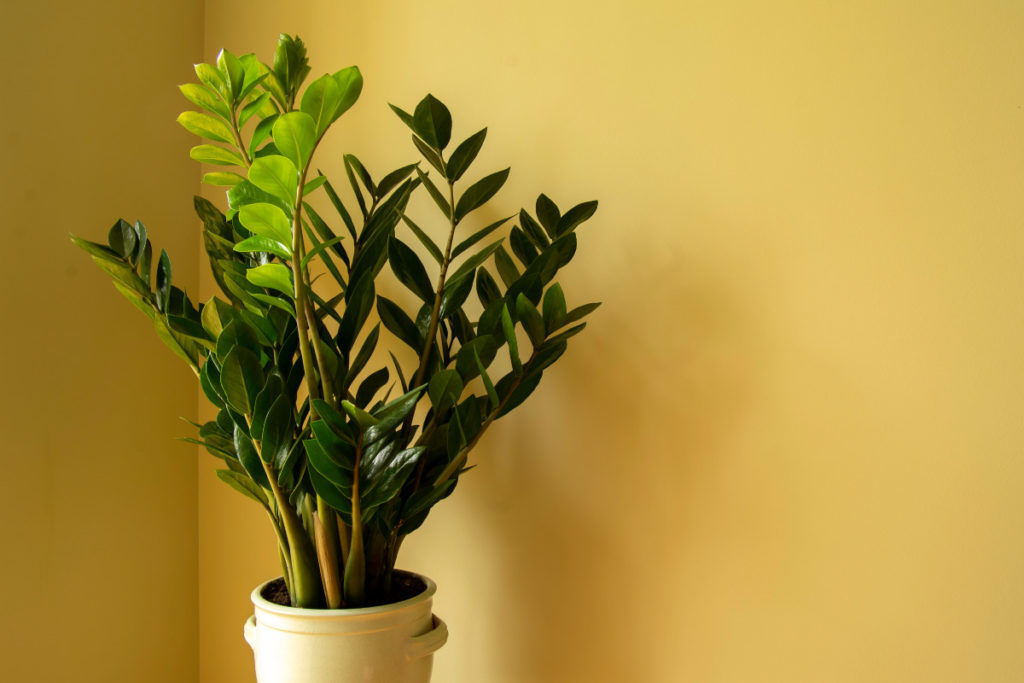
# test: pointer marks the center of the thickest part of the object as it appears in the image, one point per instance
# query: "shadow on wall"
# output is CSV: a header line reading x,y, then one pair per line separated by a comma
x,y
604,459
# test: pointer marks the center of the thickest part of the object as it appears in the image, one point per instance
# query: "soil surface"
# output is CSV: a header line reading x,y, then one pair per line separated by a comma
x,y
403,587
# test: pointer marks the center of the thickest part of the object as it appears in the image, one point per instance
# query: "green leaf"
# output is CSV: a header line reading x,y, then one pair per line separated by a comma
x,y
562,336
258,243
369,387
554,308
350,83
455,294
475,260
266,220
340,208
222,179
241,379
533,229
365,351
272,390
278,428
364,419
399,323
424,239
488,385
393,180
405,116
444,389
522,247
321,100
206,98
163,280
477,236
358,304
122,239
433,122
408,269
295,134
244,485
464,155
277,176
389,416
506,268
479,193
248,457
272,276
246,193
253,108
262,132
548,214
232,72
531,320
432,157
214,154
210,77
318,249
384,487
205,126
579,312
483,348
486,287
574,216
352,161
313,184
435,193
521,392
508,327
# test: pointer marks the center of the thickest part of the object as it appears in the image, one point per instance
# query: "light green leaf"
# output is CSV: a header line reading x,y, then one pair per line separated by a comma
x,y
205,126
276,175
267,220
321,101
214,154
204,97
209,75
295,134
258,243
272,276
223,179
350,82
253,108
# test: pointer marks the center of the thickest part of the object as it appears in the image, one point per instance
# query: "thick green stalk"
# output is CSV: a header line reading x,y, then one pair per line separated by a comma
x,y
355,566
326,526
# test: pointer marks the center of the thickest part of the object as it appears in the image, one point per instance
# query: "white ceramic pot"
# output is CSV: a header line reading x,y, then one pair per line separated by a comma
x,y
385,644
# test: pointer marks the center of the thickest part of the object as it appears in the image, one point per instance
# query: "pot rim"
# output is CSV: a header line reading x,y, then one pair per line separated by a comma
x,y
261,603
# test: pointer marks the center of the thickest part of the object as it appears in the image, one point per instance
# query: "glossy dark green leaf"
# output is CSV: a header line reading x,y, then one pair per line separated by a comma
x,y
294,135
445,389
206,126
328,469
278,428
393,180
404,115
276,276
359,302
554,308
484,348
330,492
209,381
272,390
531,320
365,351
122,239
408,269
506,267
533,229
562,336
579,312
435,193
547,354
339,206
433,122
241,379
360,171
464,155
574,216
548,215
522,247
520,393
399,323
477,236
392,414
369,387
430,155
455,294
470,265
492,395
477,194
248,457
486,288
163,280
244,485
335,421
424,239
385,487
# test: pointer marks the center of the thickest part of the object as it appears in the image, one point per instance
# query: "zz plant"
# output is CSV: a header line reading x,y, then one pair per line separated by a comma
x,y
305,427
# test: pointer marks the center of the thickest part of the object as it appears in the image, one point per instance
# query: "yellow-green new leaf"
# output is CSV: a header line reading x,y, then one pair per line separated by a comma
x,y
202,96
222,179
216,155
205,126
321,100
258,243
272,276
267,220
295,134
276,175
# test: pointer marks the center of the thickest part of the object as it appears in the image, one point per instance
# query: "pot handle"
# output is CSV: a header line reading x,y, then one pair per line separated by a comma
x,y
423,645
250,632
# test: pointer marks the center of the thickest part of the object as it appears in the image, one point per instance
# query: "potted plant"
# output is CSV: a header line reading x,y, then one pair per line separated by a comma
x,y
343,413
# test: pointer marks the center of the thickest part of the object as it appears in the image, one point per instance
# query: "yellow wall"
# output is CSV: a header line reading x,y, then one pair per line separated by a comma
x,y
99,502
789,446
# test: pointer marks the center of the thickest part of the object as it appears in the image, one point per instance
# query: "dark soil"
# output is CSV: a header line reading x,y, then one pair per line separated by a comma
x,y
403,587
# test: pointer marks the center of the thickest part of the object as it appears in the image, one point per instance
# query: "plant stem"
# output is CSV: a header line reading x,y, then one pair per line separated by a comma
x,y
325,524
355,566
